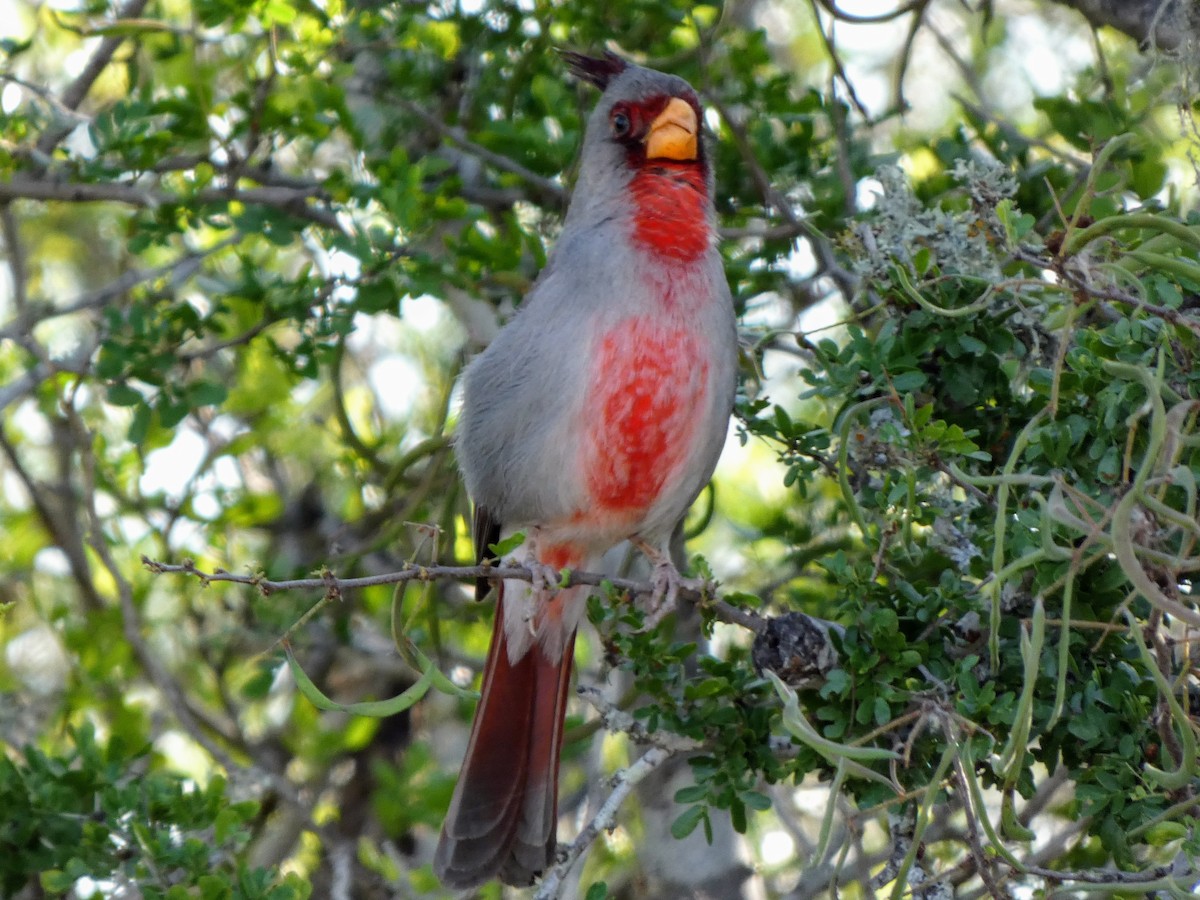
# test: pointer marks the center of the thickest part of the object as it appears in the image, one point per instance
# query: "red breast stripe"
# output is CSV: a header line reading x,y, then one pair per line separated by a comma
x,y
648,381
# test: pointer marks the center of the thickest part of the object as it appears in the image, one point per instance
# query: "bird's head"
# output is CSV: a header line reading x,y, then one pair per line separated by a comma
x,y
644,136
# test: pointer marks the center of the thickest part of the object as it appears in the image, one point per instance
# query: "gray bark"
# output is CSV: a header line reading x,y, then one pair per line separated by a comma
x,y
1168,25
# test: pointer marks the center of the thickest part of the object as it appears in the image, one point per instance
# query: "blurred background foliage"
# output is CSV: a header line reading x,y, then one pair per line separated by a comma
x,y
247,249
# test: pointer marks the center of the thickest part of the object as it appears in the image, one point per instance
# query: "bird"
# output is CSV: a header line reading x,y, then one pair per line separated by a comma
x,y
595,416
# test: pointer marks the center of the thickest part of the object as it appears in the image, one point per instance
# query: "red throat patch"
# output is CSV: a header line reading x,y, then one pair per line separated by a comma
x,y
671,210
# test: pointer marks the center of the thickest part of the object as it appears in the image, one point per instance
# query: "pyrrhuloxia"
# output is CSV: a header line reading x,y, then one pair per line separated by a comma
x,y
597,415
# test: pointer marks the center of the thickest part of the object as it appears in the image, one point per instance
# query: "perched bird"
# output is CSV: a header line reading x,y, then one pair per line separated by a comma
x,y
595,416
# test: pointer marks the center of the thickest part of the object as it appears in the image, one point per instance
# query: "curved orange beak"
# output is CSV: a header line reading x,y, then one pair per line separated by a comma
x,y
673,133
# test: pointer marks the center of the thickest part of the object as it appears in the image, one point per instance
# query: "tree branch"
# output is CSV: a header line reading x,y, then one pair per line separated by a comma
x,y
1162,24
624,782
835,59
333,585
52,505
15,251
78,89
616,719
550,190
178,270
772,198
902,10
288,199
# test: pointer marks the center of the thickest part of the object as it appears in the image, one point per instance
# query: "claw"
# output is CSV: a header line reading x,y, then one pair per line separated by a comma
x,y
665,582
545,578
532,608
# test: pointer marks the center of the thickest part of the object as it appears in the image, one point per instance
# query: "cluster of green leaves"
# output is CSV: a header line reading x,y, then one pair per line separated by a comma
x,y
965,401
102,814
284,179
717,702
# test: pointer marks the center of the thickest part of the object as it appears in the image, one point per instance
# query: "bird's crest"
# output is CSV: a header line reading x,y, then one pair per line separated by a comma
x,y
597,70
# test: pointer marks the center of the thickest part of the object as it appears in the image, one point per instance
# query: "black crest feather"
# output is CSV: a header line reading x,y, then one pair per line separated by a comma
x,y
597,70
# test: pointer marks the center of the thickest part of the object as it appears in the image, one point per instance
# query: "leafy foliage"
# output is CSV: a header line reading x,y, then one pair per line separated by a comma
x,y
248,247
102,815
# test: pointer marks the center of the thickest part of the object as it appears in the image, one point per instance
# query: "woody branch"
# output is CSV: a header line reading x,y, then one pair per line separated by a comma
x,y
333,585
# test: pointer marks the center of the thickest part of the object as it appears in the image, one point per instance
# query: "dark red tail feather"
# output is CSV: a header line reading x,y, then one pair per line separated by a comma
x,y
503,816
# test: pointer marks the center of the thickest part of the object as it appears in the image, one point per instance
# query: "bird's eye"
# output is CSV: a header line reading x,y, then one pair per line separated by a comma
x,y
621,124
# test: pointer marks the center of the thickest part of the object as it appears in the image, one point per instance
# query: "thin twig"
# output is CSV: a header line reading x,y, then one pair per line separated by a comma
x,y
772,198
904,9
288,199
410,572
551,190
79,88
178,271
237,340
835,60
624,783
59,521
906,53
617,719
979,856
15,251
782,232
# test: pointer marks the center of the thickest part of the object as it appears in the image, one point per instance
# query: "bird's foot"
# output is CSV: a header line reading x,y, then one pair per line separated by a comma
x,y
545,578
544,585
666,582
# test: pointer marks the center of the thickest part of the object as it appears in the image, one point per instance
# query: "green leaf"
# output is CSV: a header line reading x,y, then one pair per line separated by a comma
x,y
691,794
908,381
1163,833
123,395
756,801
55,881
258,686
685,823
11,48
139,426
206,393
278,12
170,412
883,713
214,887
972,344
503,548
737,816
227,823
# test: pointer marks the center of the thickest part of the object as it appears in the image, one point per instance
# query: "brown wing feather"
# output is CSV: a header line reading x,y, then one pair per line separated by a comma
x,y
486,531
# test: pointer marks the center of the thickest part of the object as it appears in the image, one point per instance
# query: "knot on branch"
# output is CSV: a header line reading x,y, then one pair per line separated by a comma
x,y
333,590
796,647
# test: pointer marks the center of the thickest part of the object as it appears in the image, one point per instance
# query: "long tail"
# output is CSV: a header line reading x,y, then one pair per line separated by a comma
x,y
504,814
